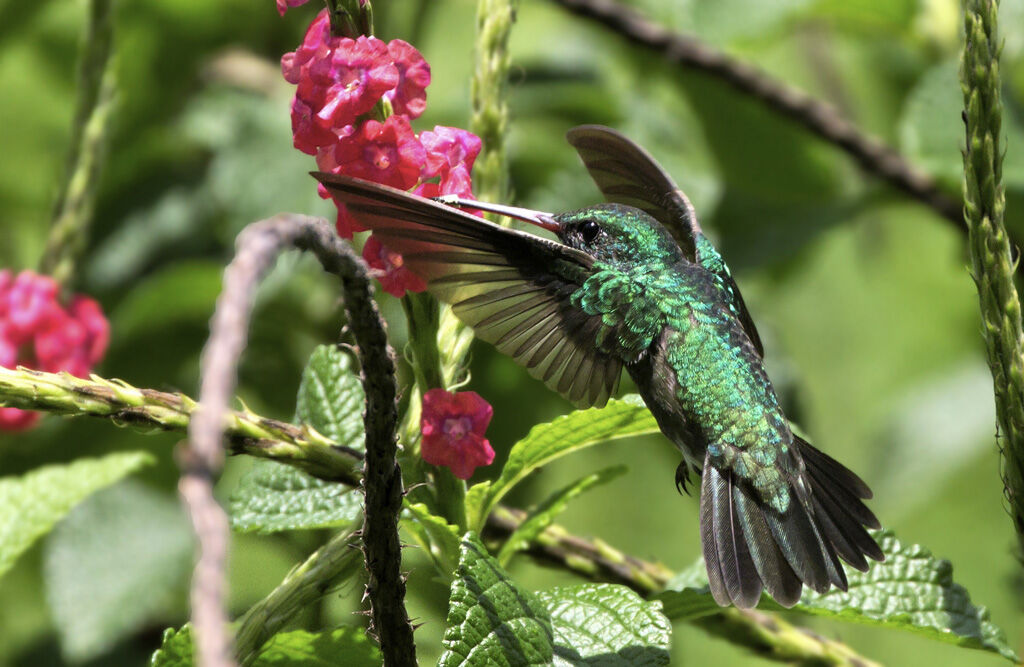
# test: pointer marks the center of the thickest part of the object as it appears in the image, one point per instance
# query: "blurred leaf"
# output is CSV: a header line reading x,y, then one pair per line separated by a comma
x,y
911,590
30,505
436,536
185,291
299,648
491,620
932,133
545,513
620,418
606,624
120,560
273,497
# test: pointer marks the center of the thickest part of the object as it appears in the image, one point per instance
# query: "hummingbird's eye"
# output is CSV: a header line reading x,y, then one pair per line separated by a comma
x,y
589,230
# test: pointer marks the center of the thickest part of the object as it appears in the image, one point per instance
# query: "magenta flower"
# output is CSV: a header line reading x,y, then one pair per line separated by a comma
x,y
284,5
453,427
338,79
387,153
409,96
451,153
38,332
389,268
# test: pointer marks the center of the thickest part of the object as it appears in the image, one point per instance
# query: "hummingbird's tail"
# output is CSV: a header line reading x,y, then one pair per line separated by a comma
x,y
750,547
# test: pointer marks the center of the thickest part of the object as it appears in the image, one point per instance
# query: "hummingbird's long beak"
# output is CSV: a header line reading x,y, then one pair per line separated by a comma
x,y
544,220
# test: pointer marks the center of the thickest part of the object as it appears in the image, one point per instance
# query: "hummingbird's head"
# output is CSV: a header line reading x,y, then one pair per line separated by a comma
x,y
617,234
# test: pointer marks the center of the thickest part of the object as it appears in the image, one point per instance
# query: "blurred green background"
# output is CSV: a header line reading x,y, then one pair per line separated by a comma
x,y
864,298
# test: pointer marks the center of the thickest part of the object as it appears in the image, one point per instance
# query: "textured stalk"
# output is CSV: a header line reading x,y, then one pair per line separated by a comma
x,y
148,410
992,262
73,208
305,584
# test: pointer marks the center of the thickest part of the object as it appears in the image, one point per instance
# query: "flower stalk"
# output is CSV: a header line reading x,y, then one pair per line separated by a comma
x,y
992,263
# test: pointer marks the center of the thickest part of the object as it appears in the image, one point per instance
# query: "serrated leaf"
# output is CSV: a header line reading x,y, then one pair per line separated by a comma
x,y
175,649
120,560
331,397
606,624
545,513
274,497
30,505
545,442
491,620
342,646
911,590
436,536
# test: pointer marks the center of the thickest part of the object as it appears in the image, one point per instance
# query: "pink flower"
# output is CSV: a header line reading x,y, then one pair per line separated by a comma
x,y
451,153
37,331
387,153
389,268
453,427
409,96
284,5
338,79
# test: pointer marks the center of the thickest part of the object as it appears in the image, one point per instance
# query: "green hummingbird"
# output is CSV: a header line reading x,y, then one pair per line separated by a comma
x,y
635,283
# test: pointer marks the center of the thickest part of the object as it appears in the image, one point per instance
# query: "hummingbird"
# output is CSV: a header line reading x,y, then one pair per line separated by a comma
x,y
634,283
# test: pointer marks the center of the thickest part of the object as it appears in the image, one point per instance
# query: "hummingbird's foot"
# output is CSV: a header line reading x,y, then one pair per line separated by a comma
x,y
682,477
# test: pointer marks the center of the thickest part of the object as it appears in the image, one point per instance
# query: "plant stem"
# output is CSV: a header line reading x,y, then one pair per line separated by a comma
x,y
992,261
73,208
307,583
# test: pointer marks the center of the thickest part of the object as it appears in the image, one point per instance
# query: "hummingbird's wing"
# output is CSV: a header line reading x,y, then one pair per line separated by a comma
x,y
512,288
627,174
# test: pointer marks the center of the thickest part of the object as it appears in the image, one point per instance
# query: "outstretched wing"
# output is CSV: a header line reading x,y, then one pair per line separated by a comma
x,y
627,174
512,288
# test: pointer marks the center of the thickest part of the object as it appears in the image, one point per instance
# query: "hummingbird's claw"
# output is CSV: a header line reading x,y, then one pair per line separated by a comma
x,y
682,477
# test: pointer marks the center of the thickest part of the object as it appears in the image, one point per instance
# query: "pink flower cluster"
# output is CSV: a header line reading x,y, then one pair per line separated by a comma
x,y
453,426
338,83
38,332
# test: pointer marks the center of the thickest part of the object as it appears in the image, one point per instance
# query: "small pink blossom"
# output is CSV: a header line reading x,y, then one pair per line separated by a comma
x,y
37,331
409,96
387,153
389,268
451,153
453,426
285,5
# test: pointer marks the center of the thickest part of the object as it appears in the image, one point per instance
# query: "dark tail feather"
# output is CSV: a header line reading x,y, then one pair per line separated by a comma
x,y
748,546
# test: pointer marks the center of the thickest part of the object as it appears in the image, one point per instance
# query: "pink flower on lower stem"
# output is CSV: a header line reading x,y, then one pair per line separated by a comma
x,y
453,426
390,269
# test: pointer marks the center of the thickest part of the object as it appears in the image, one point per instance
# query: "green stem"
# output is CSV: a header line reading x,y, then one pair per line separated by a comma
x,y
992,261
73,208
307,583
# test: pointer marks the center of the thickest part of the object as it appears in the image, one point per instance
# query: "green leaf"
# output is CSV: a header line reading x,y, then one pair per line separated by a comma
x,y
545,442
435,535
911,590
121,560
606,624
175,649
347,646
274,497
491,620
30,505
544,514
331,397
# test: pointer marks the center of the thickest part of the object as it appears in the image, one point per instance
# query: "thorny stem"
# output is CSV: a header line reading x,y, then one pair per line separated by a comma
x,y
96,87
818,117
766,634
993,265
